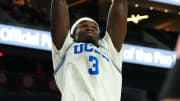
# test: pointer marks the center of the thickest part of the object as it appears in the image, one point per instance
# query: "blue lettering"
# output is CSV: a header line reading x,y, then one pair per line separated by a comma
x,y
78,49
88,49
94,70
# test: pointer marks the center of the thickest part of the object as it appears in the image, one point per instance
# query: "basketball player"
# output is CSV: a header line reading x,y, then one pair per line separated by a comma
x,y
171,88
86,67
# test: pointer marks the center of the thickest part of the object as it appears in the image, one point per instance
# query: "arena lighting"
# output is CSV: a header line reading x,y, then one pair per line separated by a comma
x,y
171,2
151,8
76,3
137,18
166,11
136,5
1,54
18,2
178,13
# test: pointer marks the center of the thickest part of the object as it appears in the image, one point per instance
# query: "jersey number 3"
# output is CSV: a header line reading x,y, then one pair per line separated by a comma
x,y
94,70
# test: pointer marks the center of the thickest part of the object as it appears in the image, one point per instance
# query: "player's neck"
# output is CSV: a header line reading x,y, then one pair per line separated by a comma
x,y
95,44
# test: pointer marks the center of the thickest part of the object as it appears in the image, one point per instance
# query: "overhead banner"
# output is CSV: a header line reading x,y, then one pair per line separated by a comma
x,y
148,56
30,38
171,2
37,39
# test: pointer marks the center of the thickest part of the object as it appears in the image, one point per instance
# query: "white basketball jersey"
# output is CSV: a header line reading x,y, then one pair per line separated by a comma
x,y
84,72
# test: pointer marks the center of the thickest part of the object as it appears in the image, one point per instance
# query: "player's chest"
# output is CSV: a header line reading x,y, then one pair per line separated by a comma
x,y
84,50
90,56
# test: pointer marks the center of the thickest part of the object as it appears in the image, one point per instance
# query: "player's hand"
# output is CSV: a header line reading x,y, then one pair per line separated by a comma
x,y
178,48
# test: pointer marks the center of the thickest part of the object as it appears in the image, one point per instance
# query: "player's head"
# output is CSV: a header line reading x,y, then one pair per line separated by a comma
x,y
85,30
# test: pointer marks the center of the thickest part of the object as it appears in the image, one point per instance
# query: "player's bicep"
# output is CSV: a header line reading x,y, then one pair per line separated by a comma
x,y
59,22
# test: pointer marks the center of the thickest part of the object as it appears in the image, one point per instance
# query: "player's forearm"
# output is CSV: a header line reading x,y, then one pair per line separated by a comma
x,y
117,22
59,21
120,7
59,11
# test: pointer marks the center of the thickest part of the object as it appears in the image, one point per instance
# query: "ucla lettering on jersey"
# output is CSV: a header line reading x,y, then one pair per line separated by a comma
x,y
83,47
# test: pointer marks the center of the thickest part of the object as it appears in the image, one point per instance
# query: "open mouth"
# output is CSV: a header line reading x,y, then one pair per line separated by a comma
x,y
91,34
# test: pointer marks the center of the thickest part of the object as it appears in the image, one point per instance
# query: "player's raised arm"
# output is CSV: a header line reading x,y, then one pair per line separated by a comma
x,y
117,22
59,22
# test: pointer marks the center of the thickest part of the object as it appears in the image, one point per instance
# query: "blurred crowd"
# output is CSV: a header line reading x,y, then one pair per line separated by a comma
x,y
22,13
26,66
17,12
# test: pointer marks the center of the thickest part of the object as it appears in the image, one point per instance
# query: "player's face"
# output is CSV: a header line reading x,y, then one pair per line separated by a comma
x,y
87,32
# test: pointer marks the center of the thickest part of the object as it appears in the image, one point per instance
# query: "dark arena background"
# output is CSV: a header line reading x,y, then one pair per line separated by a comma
x,y
26,71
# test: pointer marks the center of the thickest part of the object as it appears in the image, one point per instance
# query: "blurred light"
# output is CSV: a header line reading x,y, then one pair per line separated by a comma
x,y
1,54
167,29
137,18
76,3
178,13
171,2
151,8
164,25
136,5
166,10
18,2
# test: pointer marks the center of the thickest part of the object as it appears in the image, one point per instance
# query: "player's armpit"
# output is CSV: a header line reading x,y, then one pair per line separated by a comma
x,y
59,22
117,22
